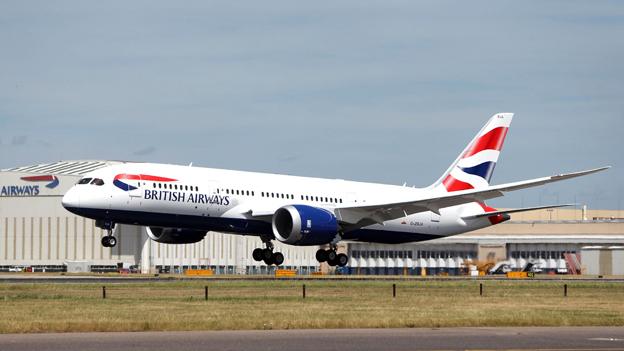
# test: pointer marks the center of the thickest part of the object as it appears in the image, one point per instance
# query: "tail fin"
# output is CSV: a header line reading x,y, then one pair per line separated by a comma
x,y
474,166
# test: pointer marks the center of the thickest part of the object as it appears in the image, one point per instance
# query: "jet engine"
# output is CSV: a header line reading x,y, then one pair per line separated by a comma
x,y
175,235
304,225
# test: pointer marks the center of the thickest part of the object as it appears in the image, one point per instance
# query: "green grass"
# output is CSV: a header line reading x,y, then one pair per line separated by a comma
x,y
177,305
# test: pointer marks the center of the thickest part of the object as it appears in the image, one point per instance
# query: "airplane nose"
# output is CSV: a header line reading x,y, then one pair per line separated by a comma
x,y
71,199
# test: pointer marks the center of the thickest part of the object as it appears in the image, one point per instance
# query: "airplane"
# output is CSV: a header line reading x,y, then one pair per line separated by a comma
x,y
180,204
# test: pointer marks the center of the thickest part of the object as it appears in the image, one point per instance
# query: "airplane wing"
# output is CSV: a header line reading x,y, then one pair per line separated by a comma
x,y
354,217
515,210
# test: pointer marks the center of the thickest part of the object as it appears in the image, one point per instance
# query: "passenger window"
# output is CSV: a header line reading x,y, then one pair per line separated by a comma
x,y
252,193
159,186
175,186
85,181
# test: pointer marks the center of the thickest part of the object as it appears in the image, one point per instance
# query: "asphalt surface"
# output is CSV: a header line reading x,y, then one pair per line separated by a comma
x,y
534,338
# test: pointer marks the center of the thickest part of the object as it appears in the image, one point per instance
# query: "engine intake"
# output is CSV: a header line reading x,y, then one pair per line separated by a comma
x,y
304,225
175,235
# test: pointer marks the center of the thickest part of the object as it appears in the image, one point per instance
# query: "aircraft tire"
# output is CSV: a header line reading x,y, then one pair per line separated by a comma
x,y
268,261
331,256
342,260
278,258
106,241
257,254
321,255
267,254
112,241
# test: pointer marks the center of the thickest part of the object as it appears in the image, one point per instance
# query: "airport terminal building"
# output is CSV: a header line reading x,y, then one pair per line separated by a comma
x,y
37,232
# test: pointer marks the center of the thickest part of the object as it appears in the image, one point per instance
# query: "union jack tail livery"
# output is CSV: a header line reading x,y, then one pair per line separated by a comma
x,y
474,167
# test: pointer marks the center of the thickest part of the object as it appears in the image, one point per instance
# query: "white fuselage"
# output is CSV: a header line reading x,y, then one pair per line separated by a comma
x,y
242,202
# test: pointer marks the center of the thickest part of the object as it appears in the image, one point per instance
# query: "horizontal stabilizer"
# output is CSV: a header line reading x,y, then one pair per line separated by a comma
x,y
525,209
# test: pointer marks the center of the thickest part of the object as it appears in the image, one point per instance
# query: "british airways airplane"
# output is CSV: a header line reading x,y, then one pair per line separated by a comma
x,y
180,204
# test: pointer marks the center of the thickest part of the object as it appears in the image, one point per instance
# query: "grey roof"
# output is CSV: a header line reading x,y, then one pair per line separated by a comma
x,y
79,167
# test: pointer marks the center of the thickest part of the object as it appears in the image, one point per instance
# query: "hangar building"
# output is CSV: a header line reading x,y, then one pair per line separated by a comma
x,y
36,231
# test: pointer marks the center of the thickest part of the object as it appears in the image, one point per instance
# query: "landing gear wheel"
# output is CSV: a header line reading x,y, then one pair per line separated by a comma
x,y
342,260
268,261
278,258
112,241
331,256
257,254
109,241
321,255
267,254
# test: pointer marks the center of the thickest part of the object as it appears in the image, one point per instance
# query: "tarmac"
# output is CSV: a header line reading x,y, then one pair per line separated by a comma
x,y
531,338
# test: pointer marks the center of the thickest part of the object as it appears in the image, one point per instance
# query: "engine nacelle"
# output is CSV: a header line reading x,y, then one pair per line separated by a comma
x,y
304,225
175,235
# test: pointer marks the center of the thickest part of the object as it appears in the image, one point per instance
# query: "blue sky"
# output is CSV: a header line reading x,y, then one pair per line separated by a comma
x,y
386,91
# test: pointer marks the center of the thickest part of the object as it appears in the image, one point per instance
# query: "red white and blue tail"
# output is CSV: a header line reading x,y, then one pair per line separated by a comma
x,y
474,167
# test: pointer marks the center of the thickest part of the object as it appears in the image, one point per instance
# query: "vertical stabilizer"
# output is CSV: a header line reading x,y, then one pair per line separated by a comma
x,y
474,166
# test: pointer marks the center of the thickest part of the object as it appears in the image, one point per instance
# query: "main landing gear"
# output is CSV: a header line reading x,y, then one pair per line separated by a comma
x,y
332,257
109,240
267,255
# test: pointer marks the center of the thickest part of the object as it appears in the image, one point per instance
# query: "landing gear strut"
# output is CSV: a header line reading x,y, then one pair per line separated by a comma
x,y
109,240
332,257
267,255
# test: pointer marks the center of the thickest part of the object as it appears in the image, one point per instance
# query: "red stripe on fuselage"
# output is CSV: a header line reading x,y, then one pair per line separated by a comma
x,y
144,177
492,140
452,184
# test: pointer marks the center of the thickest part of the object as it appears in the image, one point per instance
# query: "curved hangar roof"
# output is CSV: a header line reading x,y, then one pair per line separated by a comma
x,y
75,168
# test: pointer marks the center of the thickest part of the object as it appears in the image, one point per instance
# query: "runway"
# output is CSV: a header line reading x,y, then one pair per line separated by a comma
x,y
533,338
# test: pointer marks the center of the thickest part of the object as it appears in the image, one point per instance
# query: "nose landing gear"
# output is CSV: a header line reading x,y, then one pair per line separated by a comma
x,y
267,255
109,240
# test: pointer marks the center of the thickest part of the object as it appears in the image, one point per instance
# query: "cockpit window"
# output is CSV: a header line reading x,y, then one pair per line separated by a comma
x,y
97,181
84,181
